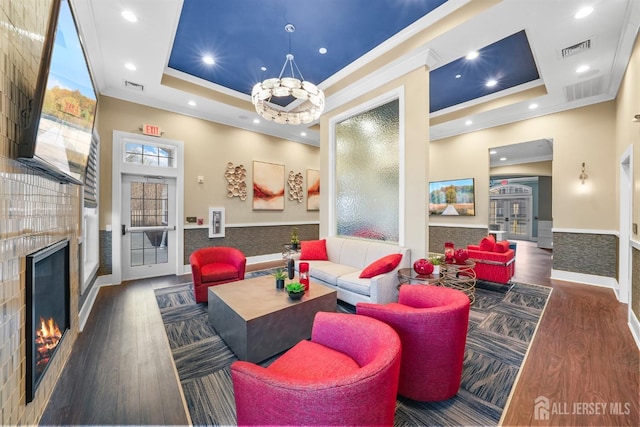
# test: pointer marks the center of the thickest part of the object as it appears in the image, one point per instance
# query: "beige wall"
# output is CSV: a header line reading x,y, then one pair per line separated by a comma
x,y
580,135
208,147
415,87
628,131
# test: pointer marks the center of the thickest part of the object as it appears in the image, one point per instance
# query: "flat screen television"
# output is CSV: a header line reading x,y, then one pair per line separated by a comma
x,y
452,198
56,138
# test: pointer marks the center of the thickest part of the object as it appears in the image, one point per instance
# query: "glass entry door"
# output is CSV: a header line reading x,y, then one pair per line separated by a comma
x,y
511,209
148,230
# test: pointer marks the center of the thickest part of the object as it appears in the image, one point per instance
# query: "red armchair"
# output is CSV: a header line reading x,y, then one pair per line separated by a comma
x,y
215,266
495,261
346,375
432,324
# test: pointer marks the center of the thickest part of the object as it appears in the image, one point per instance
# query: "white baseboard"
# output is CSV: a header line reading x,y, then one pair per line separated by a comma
x,y
586,279
634,326
83,316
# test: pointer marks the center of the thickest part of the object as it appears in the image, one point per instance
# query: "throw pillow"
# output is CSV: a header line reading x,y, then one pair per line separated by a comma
x,y
381,266
313,250
487,243
501,247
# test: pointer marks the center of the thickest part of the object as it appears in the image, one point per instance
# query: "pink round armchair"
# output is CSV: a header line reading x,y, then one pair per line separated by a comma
x,y
346,375
432,324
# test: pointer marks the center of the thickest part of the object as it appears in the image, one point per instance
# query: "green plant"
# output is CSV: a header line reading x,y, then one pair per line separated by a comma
x,y
294,236
294,287
436,260
280,274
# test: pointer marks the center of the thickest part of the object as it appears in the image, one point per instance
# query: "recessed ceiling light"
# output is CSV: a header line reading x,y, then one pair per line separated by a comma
x,y
472,55
585,11
468,123
129,16
322,50
533,106
192,103
492,152
263,68
502,159
256,121
491,83
303,134
582,69
458,76
208,60
130,66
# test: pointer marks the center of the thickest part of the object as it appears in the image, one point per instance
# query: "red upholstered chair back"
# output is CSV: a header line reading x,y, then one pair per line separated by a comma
x,y
432,323
231,260
330,388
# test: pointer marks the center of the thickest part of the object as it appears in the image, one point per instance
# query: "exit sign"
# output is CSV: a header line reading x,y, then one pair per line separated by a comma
x,y
151,130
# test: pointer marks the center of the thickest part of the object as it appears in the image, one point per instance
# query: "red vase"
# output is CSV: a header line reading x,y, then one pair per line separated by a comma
x,y
423,267
304,274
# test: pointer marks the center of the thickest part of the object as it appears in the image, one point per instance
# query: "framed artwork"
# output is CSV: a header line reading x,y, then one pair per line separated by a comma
x,y
313,190
268,186
453,197
216,222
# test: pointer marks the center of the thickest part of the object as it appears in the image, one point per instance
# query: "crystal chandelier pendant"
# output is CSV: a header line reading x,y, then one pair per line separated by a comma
x,y
311,97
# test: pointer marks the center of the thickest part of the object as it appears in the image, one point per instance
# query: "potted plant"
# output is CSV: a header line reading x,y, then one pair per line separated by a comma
x,y
295,290
280,275
437,261
295,240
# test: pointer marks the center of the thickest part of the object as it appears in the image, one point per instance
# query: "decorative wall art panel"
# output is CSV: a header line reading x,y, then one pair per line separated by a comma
x,y
313,190
236,185
296,191
268,186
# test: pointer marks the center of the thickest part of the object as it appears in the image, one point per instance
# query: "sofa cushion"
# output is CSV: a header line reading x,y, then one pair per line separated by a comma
x,y
313,250
487,243
353,253
330,271
218,271
501,247
353,283
381,266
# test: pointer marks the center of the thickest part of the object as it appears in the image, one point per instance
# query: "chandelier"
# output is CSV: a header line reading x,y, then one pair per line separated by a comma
x,y
312,98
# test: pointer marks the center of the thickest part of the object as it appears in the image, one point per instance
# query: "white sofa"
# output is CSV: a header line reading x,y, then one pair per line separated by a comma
x,y
346,260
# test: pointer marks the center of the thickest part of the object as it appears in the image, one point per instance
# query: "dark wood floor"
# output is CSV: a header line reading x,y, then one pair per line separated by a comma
x,y
121,371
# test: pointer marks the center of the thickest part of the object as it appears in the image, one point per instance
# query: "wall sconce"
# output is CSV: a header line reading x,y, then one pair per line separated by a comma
x,y
636,118
583,176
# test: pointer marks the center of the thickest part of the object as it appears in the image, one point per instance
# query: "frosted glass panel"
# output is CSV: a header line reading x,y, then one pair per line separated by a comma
x,y
367,174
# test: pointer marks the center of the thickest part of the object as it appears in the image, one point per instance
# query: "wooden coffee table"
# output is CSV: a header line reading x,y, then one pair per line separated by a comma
x,y
258,321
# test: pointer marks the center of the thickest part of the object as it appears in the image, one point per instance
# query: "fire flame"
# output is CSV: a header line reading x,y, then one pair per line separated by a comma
x,y
48,335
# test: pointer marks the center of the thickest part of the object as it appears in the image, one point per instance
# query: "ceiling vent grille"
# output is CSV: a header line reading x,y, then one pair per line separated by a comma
x,y
585,89
576,48
133,86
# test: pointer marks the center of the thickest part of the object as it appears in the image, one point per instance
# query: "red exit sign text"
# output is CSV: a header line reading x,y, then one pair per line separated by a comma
x,y
151,130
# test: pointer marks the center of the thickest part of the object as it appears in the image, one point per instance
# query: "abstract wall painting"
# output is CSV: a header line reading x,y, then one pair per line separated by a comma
x,y
268,186
313,190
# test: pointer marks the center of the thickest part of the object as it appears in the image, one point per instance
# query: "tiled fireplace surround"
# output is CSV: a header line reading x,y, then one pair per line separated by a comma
x,y
34,212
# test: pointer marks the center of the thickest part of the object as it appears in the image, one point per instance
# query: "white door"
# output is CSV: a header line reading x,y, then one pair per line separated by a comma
x,y
148,214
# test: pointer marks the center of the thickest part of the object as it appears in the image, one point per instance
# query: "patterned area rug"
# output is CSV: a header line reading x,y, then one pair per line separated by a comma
x,y
501,326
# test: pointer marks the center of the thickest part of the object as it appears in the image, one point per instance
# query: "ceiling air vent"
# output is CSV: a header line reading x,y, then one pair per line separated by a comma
x,y
133,86
576,48
585,89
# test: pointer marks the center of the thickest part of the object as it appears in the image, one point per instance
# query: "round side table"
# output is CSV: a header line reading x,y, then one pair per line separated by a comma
x,y
408,276
461,277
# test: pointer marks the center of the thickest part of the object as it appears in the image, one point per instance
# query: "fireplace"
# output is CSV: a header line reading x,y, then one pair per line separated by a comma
x,y
47,316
